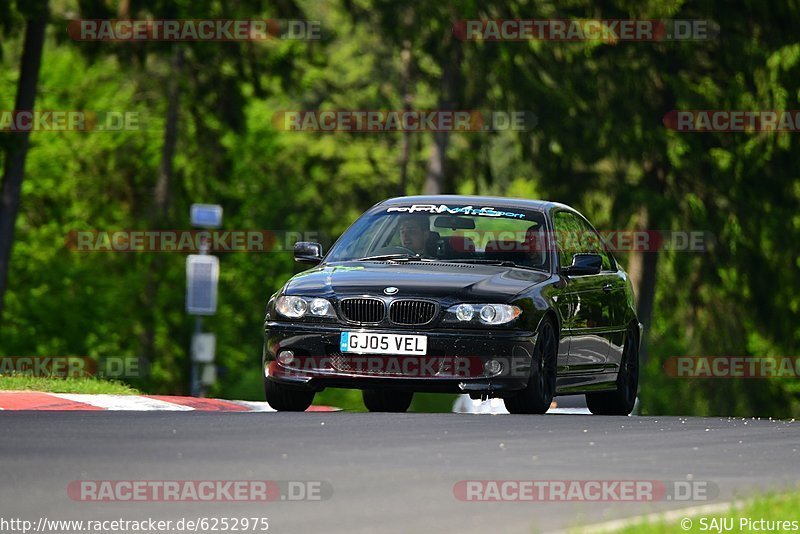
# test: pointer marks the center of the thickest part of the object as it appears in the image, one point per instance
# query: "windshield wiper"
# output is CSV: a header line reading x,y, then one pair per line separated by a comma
x,y
502,263
393,257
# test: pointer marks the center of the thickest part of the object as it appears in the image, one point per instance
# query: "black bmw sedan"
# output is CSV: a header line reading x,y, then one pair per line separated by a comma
x,y
494,297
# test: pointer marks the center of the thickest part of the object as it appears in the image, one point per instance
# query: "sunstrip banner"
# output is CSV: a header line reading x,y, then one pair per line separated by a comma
x,y
458,210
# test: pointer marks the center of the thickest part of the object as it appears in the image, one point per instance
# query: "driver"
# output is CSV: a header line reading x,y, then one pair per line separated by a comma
x,y
534,246
414,233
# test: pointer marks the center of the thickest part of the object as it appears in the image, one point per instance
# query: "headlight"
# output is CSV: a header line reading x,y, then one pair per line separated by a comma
x,y
297,307
499,313
488,314
292,307
465,312
319,307
476,314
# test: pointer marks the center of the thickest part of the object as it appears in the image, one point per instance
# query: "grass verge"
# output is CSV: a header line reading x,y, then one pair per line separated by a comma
x,y
64,385
765,513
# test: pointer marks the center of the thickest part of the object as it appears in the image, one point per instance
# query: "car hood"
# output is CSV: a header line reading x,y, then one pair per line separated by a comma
x,y
417,279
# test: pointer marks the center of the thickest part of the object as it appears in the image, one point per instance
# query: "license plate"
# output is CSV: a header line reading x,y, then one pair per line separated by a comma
x,y
367,343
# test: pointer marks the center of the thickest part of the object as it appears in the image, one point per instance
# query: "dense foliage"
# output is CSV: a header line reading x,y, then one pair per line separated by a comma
x,y
599,144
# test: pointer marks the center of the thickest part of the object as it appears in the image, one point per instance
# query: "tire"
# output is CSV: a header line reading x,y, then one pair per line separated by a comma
x,y
620,401
538,394
286,398
387,401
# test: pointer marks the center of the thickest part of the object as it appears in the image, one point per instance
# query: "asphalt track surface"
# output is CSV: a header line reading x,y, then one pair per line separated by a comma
x,y
388,472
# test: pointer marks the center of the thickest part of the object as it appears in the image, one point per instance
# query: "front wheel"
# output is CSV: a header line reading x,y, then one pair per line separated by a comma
x,y
538,394
286,398
620,401
386,401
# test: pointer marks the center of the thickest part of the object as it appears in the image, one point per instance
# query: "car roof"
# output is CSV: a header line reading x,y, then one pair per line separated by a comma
x,y
495,202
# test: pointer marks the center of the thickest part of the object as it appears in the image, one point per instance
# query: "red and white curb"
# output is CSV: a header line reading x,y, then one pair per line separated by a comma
x,y
35,400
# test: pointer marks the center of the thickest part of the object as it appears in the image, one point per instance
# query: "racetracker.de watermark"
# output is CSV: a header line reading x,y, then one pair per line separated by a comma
x,y
732,367
378,121
615,240
726,120
584,490
68,121
72,366
188,241
133,30
573,30
199,490
389,365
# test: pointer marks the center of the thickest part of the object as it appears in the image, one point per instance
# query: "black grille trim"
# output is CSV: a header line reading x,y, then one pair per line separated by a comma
x,y
412,312
363,310
345,363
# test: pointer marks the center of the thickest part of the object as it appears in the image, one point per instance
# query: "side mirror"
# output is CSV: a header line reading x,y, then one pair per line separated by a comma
x,y
584,264
307,252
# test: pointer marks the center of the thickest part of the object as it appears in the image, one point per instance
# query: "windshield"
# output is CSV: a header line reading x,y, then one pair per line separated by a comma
x,y
443,232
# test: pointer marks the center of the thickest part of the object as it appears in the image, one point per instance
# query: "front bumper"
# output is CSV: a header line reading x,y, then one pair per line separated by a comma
x,y
454,360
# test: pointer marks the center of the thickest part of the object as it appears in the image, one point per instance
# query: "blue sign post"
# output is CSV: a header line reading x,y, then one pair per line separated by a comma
x,y
202,278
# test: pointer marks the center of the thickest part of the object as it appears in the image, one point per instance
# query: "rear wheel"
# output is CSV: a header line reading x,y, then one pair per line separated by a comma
x,y
538,394
377,400
621,401
287,398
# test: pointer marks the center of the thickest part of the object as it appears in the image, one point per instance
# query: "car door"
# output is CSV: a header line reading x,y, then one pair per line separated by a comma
x,y
614,284
612,281
588,322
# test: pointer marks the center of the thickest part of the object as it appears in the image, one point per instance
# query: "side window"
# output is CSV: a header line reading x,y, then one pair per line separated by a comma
x,y
566,230
573,236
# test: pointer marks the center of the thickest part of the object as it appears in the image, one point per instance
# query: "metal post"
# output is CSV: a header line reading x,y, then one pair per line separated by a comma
x,y
198,329
201,352
195,375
